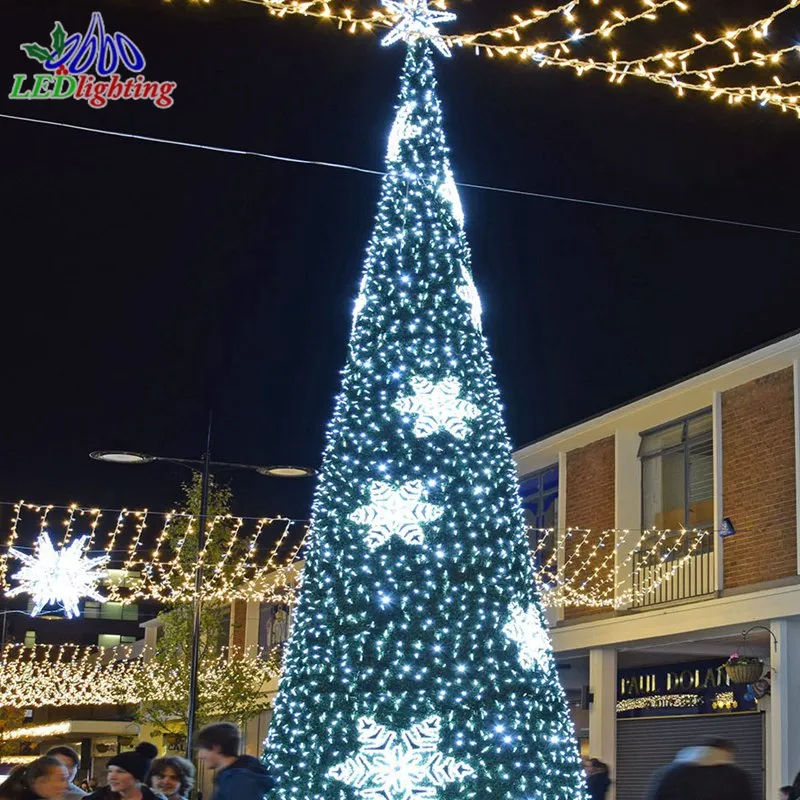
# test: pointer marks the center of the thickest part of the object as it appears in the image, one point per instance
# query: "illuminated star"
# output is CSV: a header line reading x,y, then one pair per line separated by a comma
x,y
58,577
526,629
469,294
437,407
449,191
416,20
402,129
405,765
396,512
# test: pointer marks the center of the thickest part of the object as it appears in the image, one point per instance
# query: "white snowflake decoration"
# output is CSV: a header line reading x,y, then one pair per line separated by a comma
x,y
399,766
416,21
437,407
61,577
526,629
397,511
361,301
449,191
469,294
402,129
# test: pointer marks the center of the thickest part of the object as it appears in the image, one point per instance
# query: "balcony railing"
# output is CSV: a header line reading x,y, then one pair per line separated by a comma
x,y
674,567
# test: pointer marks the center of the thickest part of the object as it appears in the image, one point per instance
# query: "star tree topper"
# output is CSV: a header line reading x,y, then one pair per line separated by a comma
x,y
416,20
61,577
396,512
437,407
399,766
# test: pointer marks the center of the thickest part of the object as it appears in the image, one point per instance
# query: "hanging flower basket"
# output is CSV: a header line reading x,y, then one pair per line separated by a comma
x,y
744,669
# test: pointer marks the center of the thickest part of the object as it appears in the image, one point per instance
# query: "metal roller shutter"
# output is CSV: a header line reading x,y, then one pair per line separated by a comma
x,y
646,745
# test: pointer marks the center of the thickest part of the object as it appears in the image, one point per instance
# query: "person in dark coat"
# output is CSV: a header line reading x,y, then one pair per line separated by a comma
x,y
705,772
597,779
237,777
45,778
127,776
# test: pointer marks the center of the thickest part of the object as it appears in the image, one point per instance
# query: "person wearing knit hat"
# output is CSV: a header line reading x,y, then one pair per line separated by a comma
x,y
127,775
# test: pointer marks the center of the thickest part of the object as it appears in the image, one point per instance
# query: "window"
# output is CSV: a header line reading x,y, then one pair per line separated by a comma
x,y
113,640
94,610
30,638
539,496
678,474
273,626
223,642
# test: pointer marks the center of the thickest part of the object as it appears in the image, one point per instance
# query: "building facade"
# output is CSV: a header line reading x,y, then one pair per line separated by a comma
x,y
643,639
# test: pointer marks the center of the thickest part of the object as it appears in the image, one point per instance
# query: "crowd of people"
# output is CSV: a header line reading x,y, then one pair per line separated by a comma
x,y
139,775
707,771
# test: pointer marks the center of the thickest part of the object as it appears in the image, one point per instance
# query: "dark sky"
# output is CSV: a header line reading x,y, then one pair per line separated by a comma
x,y
136,275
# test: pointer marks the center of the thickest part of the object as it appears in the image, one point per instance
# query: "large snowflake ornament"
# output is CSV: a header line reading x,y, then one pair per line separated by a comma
x,y
399,766
469,294
402,128
437,407
526,630
449,191
396,511
58,577
416,20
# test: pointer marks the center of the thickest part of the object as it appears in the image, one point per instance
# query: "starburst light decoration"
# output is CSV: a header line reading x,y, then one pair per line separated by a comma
x,y
417,20
437,407
526,630
58,577
469,294
396,512
404,766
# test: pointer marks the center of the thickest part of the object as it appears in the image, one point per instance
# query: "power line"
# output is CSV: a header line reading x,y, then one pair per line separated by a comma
x,y
351,168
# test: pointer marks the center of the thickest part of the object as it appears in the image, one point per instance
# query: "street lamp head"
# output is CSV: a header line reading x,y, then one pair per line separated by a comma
x,y
285,472
121,457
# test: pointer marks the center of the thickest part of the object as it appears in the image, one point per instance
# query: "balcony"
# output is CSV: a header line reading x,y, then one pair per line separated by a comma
x,y
620,570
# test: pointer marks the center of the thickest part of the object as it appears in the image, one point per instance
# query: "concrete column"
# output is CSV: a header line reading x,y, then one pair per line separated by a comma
x,y
783,756
603,710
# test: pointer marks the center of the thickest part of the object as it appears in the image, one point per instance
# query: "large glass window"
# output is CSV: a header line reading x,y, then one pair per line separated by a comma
x,y
539,496
113,640
678,474
95,610
273,626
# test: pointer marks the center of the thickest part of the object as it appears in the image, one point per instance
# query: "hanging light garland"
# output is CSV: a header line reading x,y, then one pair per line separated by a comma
x,y
77,675
262,559
697,67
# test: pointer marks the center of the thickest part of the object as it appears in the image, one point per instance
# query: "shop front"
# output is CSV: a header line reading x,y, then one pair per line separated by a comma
x,y
663,709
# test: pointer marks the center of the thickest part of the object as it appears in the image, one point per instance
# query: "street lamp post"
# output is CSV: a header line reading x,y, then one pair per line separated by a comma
x,y
204,465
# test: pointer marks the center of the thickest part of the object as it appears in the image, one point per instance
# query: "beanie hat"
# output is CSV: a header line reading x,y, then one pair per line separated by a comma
x,y
137,761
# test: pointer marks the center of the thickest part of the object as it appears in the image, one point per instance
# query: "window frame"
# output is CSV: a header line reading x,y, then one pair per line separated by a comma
x,y
541,496
685,443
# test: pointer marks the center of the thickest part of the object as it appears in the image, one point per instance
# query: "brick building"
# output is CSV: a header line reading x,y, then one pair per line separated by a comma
x,y
719,453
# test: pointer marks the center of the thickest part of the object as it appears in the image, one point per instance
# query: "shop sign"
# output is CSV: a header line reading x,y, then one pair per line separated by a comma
x,y
697,687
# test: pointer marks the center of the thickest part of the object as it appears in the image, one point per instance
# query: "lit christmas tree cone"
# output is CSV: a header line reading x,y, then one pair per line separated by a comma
x,y
419,667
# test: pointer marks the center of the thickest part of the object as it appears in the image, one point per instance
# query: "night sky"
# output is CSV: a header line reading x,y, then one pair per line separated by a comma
x,y
143,283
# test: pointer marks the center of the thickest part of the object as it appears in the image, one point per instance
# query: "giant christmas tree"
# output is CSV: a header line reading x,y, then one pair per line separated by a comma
x,y
419,667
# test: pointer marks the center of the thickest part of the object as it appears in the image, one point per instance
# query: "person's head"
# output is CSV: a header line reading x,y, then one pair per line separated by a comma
x,y
587,765
46,777
599,767
217,744
127,770
172,775
786,793
717,743
68,757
